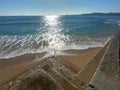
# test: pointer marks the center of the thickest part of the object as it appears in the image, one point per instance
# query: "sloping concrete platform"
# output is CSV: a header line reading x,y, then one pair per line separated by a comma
x,y
107,75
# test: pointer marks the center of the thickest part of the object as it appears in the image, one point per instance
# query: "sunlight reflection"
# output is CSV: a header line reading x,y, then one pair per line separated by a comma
x,y
51,20
54,35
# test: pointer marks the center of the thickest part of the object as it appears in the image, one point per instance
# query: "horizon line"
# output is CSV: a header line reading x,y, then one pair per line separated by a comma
x,y
64,14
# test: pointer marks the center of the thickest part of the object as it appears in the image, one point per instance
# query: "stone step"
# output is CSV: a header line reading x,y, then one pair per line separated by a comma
x,y
62,80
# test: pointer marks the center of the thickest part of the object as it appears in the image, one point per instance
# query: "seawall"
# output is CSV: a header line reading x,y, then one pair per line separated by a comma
x,y
107,75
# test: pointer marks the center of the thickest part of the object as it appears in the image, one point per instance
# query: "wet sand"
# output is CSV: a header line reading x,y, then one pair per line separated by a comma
x,y
9,68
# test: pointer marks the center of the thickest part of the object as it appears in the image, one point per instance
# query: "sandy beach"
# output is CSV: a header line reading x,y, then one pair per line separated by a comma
x,y
9,68
81,58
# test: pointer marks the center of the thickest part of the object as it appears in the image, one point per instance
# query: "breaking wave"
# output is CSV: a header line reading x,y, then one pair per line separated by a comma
x,y
11,46
50,37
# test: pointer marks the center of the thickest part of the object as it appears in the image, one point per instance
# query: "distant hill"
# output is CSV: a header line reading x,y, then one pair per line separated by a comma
x,y
96,14
117,14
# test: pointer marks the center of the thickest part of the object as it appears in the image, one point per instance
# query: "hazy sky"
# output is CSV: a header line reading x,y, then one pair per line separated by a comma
x,y
46,7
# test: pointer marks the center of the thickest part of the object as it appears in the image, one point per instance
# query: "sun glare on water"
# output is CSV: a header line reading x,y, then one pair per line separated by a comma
x,y
51,20
54,35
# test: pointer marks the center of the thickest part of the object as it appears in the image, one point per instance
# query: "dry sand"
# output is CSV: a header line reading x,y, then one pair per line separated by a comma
x,y
12,71
78,61
83,63
9,68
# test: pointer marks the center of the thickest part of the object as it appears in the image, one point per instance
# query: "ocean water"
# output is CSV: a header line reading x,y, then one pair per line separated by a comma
x,y
34,34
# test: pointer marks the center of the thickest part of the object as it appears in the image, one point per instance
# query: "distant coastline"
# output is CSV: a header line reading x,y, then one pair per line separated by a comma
x,y
92,13
97,13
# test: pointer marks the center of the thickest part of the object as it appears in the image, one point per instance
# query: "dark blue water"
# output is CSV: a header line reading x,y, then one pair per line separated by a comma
x,y
33,34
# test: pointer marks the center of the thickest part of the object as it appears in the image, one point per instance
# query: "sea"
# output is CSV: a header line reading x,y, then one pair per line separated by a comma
x,y
36,34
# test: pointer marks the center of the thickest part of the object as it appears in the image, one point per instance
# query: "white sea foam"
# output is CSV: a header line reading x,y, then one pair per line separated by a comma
x,y
49,38
11,46
112,21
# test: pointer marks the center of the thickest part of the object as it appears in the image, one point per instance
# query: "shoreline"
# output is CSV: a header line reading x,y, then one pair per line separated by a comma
x,y
12,67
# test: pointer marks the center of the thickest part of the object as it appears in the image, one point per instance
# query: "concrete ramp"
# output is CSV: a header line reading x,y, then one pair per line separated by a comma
x,y
107,75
